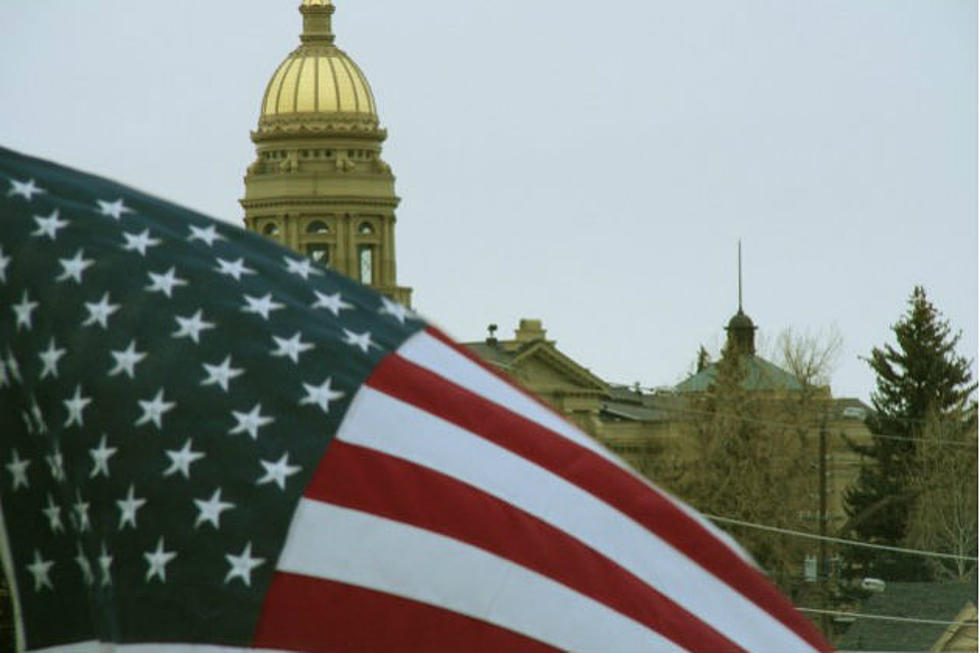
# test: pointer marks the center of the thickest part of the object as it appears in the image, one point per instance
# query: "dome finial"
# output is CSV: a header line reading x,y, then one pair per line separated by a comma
x,y
317,21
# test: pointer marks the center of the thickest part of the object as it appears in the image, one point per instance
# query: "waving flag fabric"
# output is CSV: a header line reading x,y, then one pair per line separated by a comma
x,y
210,443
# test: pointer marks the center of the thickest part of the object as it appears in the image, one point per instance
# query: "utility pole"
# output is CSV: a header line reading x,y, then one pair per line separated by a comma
x,y
823,568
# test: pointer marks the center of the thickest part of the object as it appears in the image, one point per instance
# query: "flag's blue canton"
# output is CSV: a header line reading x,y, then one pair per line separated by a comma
x,y
167,386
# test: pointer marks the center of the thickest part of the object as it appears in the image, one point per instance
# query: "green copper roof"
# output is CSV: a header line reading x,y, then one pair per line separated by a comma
x,y
760,374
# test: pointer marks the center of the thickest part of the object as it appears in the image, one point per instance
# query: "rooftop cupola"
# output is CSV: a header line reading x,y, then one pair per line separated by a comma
x,y
741,329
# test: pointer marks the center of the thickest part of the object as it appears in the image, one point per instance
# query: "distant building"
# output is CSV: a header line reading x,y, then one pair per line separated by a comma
x,y
642,424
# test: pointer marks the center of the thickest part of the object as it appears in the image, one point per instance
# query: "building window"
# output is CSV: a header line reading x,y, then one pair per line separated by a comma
x,y
271,229
365,229
318,227
365,258
319,252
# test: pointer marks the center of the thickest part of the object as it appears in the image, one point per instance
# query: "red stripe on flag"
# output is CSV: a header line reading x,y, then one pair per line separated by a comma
x,y
436,395
310,614
376,483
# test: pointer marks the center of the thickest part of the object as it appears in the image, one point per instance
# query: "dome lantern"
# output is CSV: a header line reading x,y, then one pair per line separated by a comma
x,y
317,21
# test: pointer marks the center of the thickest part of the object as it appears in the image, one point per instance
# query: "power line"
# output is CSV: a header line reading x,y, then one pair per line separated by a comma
x,y
754,420
883,617
838,540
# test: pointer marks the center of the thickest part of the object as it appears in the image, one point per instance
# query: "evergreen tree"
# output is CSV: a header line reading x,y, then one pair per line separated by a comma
x,y
923,378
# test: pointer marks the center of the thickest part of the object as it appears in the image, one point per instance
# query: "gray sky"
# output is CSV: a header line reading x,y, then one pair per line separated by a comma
x,y
591,164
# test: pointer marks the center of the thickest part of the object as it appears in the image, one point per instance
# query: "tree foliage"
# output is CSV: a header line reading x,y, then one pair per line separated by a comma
x,y
919,380
943,516
754,450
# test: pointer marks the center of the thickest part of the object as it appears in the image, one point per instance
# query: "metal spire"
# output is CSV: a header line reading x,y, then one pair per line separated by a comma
x,y
739,275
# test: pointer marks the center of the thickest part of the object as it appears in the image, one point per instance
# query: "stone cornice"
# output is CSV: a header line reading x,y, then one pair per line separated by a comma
x,y
315,126
336,200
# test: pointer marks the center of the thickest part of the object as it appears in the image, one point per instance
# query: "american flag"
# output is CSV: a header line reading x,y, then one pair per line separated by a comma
x,y
210,443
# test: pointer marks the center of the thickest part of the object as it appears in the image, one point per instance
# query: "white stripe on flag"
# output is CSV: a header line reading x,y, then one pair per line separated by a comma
x,y
428,352
439,358
378,421
349,546
93,646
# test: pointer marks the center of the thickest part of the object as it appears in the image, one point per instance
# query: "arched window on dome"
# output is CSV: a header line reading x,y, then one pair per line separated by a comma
x,y
271,229
318,227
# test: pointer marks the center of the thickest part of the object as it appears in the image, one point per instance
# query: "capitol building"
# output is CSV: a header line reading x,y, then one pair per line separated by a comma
x,y
319,184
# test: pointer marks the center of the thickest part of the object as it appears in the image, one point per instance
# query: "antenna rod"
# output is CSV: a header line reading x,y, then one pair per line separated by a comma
x,y
739,275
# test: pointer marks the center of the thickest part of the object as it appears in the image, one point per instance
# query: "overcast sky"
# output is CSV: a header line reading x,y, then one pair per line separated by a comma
x,y
591,164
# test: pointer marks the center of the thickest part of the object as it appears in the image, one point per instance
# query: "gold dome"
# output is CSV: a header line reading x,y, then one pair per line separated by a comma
x,y
318,80
318,77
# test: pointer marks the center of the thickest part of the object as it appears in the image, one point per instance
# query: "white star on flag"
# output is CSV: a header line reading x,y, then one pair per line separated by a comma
x,y
261,305
53,513
154,409
75,406
105,565
396,310
333,303
26,189
99,312
222,373
126,360
210,510
23,312
206,234
4,262
250,422
57,464
291,347
139,242
242,565
72,268
165,282
114,210
320,395
81,513
84,564
303,267
38,417
49,226
181,459
128,508
158,561
49,360
100,458
234,269
13,368
41,570
278,471
191,326
18,469
360,340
